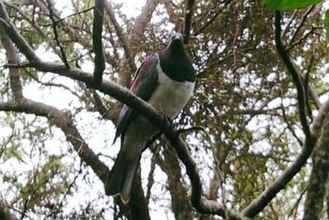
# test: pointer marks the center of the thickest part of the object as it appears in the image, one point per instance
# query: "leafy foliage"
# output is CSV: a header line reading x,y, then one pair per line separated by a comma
x,y
326,23
289,4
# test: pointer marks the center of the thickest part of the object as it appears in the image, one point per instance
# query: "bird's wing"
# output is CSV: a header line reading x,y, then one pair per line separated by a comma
x,y
143,86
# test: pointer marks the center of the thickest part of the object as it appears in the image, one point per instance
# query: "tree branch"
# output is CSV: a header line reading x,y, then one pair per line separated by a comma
x,y
319,176
301,97
11,54
97,41
121,36
135,37
54,26
143,19
301,23
189,9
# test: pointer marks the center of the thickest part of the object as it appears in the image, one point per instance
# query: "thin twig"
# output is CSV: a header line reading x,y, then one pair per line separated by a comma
x,y
300,40
122,37
71,15
54,26
150,178
307,93
212,19
285,118
296,204
301,23
291,19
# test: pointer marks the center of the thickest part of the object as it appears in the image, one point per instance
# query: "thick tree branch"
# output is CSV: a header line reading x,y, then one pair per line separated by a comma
x,y
297,80
11,54
318,121
189,9
97,41
20,42
198,201
319,176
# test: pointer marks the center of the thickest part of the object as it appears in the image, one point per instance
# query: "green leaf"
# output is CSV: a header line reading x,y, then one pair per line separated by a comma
x,y
289,4
14,152
326,24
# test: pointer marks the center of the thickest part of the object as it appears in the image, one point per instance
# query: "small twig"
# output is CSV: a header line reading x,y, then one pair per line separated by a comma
x,y
297,42
209,22
54,26
313,95
212,19
307,93
51,84
18,65
150,178
285,118
301,23
122,37
99,105
71,15
191,129
296,204
292,18
5,144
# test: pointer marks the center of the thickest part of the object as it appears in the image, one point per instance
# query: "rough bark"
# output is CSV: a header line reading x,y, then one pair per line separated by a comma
x,y
317,187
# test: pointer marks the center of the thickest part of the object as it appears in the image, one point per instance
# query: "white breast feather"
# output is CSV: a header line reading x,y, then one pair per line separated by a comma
x,y
171,96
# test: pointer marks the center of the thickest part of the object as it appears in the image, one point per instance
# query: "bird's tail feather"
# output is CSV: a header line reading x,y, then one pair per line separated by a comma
x,y
122,176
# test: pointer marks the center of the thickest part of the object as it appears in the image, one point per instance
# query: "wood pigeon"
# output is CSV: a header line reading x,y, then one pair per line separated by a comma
x,y
166,81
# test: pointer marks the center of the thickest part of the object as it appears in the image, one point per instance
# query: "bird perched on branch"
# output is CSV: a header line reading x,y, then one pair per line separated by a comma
x,y
166,81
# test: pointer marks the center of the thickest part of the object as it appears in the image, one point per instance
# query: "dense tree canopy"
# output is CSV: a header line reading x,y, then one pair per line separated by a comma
x,y
252,143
